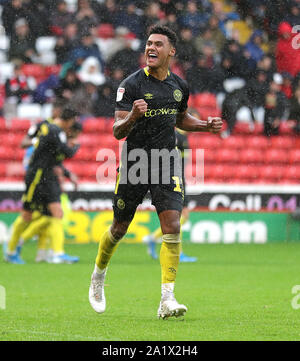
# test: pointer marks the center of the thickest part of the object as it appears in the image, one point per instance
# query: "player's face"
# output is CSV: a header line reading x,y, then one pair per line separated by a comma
x,y
158,51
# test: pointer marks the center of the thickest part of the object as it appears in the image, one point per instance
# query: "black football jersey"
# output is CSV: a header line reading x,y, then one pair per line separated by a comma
x,y
165,99
50,149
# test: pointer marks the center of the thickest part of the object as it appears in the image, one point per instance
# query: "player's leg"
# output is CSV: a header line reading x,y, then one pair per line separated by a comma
x,y
57,236
125,202
20,224
169,260
42,244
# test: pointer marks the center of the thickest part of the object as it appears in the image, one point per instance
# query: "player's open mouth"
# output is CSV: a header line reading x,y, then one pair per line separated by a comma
x,y
152,56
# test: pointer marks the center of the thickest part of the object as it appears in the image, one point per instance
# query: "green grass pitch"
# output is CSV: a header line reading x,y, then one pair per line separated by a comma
x,y
233,292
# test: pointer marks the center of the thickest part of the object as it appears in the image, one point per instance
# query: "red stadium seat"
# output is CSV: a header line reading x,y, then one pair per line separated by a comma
x,y
3,169
6,153
251,155
205,112
258,129
94,125
205,100
249,172
234,141
227,155
241,128
52,69
276,156
286,128
259,142
19,125
272,172
2,125
209,156
294,156
292,172
204,141
37,71
282,142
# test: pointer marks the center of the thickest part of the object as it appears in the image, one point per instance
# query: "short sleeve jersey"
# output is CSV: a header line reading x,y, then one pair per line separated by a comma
x,y
165,99
51,146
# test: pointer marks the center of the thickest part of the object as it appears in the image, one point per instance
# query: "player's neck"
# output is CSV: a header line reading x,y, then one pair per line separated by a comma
x,y
159,73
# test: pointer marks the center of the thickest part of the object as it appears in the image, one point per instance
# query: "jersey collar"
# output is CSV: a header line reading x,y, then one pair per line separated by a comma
x,y
147,71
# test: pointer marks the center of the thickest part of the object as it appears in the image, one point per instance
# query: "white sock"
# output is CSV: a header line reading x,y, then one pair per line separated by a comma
x,y
99,271
167,289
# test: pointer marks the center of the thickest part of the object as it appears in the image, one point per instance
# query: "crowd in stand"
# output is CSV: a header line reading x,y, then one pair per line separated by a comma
x,y
261,75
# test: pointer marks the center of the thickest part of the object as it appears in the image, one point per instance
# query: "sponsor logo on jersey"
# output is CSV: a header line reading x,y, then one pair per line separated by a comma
x,y
177,95
148,96
161,111
120,93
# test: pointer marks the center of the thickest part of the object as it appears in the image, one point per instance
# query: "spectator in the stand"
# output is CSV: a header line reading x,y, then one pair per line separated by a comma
x,y
192,18
253,49
107,12
60,18
84,100
12,11
151,15
287,86
234,51
223,17
295,110
287,56
199,76
256,90
38,16
186,49
66,43
91,71
86,48
68,85
171,21
85,15
105,106
293,18
232,103
217,37
267,64
45,91
118,43
22,45
130,19
276,106
126,59
17,88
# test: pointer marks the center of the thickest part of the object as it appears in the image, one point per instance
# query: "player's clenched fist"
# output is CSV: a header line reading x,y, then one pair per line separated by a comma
x,y
139,108
214,124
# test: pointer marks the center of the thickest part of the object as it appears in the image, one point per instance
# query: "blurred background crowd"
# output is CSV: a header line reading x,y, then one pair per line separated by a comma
x,y
241,60
244,52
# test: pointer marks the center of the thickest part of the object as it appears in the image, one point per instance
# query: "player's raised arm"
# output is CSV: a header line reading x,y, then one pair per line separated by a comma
x,y
186,121
124,121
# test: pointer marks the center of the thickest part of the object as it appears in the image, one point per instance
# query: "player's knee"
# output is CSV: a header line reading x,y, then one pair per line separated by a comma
x,y
172,226
118,230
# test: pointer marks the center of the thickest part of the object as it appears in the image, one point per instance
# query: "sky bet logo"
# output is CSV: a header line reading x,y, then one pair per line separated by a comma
x,y
2,298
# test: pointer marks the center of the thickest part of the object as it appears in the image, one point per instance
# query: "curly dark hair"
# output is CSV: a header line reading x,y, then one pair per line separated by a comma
x,y
164,30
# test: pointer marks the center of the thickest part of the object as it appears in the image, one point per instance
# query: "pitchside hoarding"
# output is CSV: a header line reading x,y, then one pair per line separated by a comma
x,y
93,197
202,227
